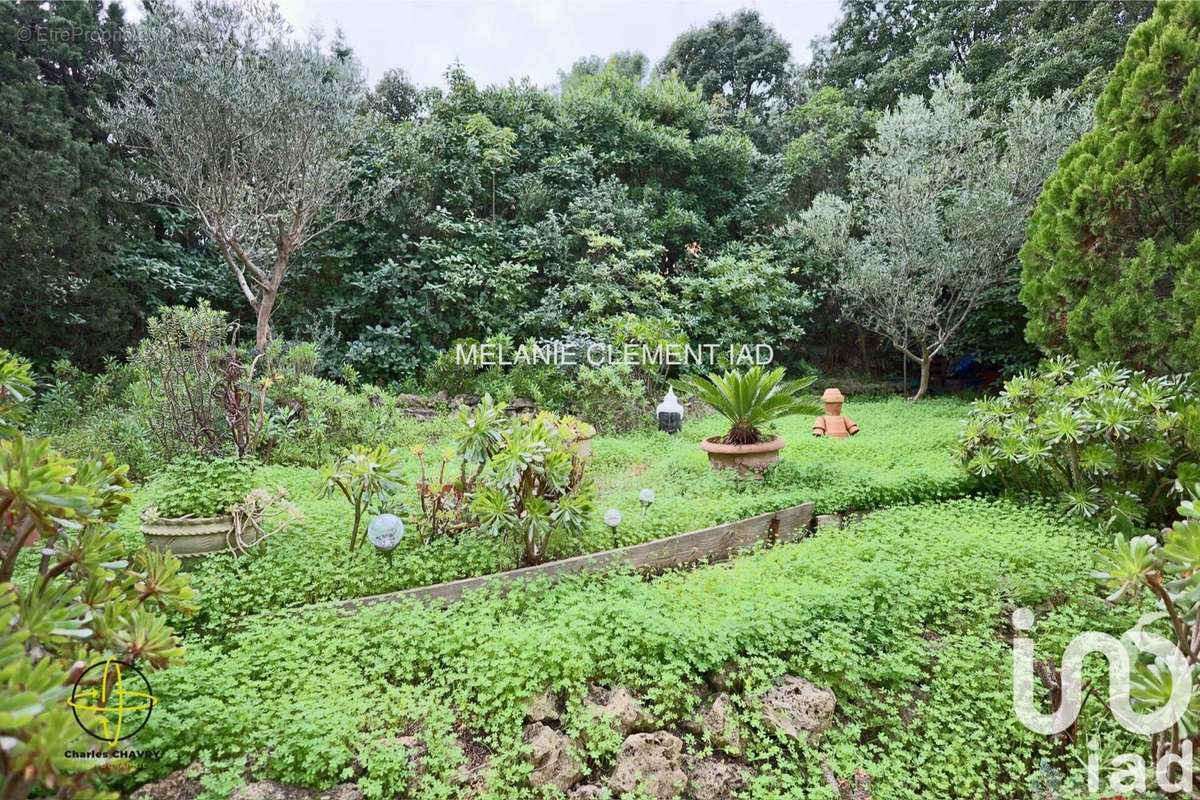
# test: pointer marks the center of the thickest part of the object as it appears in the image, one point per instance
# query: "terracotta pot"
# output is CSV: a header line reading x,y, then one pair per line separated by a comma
x,y
745,458
193,537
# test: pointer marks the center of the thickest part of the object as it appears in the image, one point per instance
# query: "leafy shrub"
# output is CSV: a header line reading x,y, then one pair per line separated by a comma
x,y
177,380
113,430
529,482
745,296
16,389
1111,442
1110,269
611,397
82,602
324,418
456,372
193,487
752,400
364,476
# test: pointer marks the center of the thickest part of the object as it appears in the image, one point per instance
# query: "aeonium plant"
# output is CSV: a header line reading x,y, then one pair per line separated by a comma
x,y
524,476
76,600
364,476
752,400
1170,572
1114,444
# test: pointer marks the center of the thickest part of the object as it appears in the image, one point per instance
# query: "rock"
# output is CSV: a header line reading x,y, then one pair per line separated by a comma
x,y
589,791
715,779
472,774
418,406
717,724
624,711
798,709
653,762
417,750
347,791
554,763
521,405
185,785
410,400
829,520
271,790
542,707
182,784
468,400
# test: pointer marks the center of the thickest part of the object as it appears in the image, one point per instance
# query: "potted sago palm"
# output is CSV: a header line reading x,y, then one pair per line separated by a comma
x,y
749,401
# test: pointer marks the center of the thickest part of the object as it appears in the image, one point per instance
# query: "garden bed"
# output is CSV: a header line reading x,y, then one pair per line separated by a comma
x,y
903,454
717,543
897,614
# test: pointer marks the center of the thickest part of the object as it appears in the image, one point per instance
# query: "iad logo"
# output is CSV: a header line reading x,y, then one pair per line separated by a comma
x,y
1129,769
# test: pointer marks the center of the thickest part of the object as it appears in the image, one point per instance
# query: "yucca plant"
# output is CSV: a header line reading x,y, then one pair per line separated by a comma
x,y
752,399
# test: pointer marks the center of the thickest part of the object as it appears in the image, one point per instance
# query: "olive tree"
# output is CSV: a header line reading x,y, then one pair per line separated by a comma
x,y
937,211
246,127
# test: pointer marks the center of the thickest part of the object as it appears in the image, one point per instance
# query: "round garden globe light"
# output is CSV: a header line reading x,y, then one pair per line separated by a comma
x,y
385,532
612,518
646,496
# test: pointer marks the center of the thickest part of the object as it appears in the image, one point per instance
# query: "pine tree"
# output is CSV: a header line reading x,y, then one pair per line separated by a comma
x,y
1111,269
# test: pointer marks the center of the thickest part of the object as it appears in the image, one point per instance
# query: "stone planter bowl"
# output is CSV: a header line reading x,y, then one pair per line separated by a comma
x,y
745,458
193,537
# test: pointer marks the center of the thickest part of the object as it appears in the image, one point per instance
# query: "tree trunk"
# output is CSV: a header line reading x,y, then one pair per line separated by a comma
x,y
262,327
926,360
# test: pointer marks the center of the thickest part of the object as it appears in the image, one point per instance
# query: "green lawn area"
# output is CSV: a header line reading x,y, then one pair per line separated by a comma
x,y
902,454
902,615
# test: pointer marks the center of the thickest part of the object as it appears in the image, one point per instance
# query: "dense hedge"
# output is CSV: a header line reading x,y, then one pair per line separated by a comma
x,y
904,612
903,454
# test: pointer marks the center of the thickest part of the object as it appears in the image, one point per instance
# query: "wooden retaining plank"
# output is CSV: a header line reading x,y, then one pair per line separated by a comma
x,y
709,544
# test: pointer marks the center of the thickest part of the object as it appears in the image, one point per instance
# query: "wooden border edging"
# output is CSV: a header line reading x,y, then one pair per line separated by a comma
x,y
709,544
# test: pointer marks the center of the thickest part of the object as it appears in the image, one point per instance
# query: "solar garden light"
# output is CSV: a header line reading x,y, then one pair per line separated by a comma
x,y
646,496
385,532
612,518
670,413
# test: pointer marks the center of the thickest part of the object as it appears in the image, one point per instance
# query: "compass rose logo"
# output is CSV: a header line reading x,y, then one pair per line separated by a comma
x,y
117,695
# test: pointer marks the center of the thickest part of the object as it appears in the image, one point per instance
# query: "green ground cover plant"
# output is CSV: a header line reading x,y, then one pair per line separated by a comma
x,y
903,454
902,614
192,487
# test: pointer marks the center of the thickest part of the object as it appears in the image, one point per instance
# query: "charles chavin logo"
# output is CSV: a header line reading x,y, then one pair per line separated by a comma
x,y
115,700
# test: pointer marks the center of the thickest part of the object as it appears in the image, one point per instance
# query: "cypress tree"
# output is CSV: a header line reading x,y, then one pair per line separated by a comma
x,y
1111,269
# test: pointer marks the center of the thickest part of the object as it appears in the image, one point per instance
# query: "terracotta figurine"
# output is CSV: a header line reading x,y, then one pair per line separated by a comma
x,y
833,422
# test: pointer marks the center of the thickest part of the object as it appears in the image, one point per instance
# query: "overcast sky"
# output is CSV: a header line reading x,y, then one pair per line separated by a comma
x,y
501,39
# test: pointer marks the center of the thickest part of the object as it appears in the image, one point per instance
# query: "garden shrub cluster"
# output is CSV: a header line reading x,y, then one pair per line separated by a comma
x,y
902,455
898,614
1114,445
164,405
